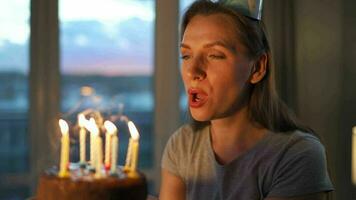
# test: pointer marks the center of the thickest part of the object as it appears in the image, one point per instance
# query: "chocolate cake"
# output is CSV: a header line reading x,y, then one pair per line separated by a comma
x,y
82,185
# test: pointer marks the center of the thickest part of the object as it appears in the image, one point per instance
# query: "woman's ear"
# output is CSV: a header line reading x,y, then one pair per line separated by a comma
x,y
259,69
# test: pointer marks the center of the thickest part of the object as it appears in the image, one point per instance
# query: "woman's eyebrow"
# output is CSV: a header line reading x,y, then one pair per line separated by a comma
x,y
212,44
182,45
222,44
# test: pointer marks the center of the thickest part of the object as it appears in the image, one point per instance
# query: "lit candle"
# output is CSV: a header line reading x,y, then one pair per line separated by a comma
x,y
354,155
63,170
114,151
135,147
99,156
110,131
94,131
128,155
82,137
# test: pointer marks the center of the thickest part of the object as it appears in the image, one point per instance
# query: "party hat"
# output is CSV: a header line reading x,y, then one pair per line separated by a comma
x,y
249,8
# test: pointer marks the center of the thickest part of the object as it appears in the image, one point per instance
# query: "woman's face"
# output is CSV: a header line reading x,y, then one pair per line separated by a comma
x,y
215,67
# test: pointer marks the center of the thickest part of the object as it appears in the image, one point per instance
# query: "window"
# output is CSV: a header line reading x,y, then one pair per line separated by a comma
x,y
14,66
96,48
108,47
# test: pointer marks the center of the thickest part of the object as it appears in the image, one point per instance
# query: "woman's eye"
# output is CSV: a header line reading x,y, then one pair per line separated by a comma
x,y
185,57
216,56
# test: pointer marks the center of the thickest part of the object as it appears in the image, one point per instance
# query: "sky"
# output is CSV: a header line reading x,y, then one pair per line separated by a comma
x,y
110,11
107,13
14,26
92,40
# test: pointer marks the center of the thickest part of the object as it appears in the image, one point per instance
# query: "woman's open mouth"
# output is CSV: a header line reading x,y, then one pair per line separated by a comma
x,y
197,97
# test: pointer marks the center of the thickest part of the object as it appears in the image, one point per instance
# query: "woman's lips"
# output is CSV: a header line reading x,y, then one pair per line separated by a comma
x,y
197,97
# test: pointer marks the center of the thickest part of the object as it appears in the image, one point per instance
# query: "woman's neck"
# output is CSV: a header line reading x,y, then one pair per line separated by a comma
x,y
234,135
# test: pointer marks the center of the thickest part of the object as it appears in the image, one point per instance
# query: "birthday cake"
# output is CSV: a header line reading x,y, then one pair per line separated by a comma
x,y
99,178
82,185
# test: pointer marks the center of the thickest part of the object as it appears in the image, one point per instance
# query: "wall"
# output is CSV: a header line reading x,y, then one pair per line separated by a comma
x,y
315,53
319,70
348,101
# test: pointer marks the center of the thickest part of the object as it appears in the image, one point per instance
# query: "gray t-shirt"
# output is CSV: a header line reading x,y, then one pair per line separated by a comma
x,y
280,165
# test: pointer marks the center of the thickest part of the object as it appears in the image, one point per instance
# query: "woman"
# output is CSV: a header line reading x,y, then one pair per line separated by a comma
x,y
244,143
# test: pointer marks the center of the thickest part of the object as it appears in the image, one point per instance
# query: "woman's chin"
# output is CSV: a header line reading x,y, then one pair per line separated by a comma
x,y
200,117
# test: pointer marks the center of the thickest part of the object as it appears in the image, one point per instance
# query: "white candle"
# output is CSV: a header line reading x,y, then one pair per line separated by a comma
x,y
114,155
63,170
135,150
94,131
135,146
353,156
110,131
82,137
92,149
128,155
99,156
107,150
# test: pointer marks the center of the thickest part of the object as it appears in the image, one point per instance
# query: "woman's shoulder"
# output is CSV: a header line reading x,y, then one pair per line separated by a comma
x,y
296,137
186,130
187,134
298,160
307,143
180,148
295,144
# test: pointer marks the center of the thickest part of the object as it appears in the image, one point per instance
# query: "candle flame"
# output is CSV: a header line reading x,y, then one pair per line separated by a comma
x,y
91,126
82,120
110,127
133,130
63,126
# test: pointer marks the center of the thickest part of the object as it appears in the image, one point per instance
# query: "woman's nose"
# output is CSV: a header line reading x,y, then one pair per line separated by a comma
x,y
197,70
